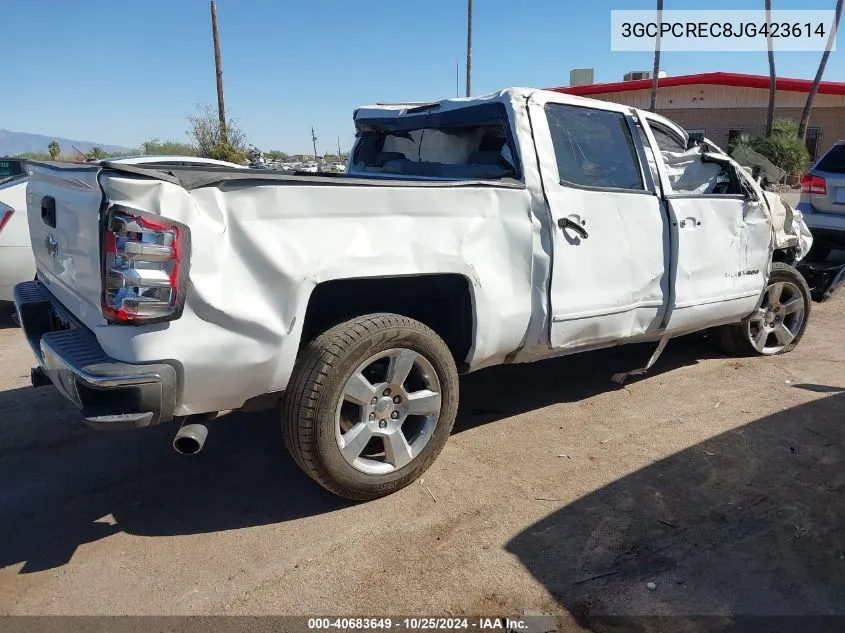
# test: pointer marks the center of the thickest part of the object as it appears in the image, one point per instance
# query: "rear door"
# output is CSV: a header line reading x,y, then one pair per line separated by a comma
x,y
610,238
63,209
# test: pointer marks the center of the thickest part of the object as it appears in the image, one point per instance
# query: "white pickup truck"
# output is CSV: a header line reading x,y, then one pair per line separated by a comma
x,y
468,233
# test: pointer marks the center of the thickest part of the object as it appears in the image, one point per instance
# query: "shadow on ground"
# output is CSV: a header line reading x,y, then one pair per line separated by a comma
x,y
749,522
7,309
60,481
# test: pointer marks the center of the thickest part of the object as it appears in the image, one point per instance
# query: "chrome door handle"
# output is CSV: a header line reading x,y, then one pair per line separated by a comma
x,y
566,223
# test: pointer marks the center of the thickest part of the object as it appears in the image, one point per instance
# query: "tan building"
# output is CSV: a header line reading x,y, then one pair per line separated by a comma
x,y
721,106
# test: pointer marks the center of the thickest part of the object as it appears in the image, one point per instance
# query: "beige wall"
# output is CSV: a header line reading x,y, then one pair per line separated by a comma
x,y
718,109
706,96
752,121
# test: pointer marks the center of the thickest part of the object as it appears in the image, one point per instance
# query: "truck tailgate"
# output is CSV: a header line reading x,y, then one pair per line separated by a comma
x,y
63,208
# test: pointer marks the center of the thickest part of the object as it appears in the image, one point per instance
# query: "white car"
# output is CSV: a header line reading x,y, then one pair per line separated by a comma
x,y
468,233
16,261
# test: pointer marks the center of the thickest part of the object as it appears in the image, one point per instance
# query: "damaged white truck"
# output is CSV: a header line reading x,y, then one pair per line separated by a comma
x,y
468,233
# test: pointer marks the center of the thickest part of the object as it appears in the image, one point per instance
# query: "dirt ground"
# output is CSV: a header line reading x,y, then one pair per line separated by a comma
x,y
718,480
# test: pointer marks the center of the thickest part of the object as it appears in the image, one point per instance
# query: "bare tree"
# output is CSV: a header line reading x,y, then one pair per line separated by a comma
x,y
805,116
655,75
207,140
770,114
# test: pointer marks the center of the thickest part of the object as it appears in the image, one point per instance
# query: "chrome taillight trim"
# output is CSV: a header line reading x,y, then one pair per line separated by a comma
x,y
145,252
137,278
145,267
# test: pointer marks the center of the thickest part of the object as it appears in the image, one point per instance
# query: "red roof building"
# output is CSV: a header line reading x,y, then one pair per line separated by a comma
x,y
724,105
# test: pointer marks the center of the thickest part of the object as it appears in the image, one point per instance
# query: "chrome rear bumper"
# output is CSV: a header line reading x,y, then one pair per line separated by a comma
x,y
111,394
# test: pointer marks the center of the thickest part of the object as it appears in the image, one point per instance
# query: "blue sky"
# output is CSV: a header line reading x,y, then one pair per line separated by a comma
x,y
123,72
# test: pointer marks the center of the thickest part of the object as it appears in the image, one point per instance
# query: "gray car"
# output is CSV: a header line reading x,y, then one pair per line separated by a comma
x,y
823,202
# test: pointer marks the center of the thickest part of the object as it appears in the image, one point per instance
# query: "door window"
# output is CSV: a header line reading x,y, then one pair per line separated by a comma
x,y
666,140
734,137
590,148
691,173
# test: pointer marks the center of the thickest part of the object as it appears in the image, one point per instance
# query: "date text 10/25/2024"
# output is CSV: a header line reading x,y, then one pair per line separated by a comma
x,y
421,623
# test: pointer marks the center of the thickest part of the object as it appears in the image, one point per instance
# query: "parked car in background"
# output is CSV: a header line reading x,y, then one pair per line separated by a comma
x,y
170,161
823,202
16,261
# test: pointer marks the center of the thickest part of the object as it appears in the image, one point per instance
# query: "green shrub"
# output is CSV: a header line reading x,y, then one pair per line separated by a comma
x,y
226,152
783,147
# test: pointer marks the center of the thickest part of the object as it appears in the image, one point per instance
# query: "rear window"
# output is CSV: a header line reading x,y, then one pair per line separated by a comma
x,y
467,143
834,160
10,167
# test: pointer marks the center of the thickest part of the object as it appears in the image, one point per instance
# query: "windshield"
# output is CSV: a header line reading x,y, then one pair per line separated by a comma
x,y
467,143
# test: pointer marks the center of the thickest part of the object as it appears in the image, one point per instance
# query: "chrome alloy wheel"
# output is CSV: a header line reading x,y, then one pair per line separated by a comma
x,y
388,411
779,318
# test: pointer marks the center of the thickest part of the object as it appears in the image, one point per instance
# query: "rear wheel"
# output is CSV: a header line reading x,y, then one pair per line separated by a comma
x,y
370,405
778,324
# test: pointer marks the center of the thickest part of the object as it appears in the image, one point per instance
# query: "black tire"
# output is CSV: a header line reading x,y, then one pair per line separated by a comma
x,y
316,387
818,252
734,339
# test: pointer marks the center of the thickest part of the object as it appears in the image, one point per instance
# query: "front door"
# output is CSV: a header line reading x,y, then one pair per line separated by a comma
x,y
610,236
721,236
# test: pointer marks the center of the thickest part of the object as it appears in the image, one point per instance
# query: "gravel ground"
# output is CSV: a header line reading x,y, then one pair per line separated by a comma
x,y
710,486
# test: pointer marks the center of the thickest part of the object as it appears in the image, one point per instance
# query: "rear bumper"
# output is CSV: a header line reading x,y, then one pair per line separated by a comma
x,y
111,394
826,227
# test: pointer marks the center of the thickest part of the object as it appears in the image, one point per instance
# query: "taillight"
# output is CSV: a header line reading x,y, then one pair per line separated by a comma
x,y
4,219
144,267
813,184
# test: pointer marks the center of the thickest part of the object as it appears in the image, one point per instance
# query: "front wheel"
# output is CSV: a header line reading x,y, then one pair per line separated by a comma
x,y
778,323
370,404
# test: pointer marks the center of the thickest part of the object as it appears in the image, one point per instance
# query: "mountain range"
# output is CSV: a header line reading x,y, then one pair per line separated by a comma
x,y
14,143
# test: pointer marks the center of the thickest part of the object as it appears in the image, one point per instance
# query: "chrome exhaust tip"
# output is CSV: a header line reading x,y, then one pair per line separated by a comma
x,y
190,438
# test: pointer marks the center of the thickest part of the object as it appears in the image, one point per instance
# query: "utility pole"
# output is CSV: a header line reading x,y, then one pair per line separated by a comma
x,y
339,155
469,46
314,140
221,112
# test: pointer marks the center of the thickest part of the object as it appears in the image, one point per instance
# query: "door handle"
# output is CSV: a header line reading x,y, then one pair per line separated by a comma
x,y
566,223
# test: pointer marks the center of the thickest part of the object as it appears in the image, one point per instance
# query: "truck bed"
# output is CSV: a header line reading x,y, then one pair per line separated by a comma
x,y
261,241
190,177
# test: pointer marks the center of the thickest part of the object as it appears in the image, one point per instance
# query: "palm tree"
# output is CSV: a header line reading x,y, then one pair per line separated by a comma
x,y
54,149
656,71
96,153
805,116
770,115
